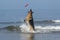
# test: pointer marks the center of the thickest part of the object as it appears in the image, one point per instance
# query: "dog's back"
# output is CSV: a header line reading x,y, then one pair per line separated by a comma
x,y
29,21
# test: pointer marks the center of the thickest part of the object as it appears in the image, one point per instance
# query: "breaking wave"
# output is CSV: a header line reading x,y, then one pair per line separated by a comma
x,y
40,29
40,21
44,26
48,21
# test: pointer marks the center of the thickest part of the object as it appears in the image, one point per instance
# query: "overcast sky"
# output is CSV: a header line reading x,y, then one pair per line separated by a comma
x,y
40,4
14,15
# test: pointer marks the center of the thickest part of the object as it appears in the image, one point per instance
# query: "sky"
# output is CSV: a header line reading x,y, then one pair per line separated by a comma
x,y
47,9
39,4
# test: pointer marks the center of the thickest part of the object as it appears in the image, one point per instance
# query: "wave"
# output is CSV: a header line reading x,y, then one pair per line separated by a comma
x,y
40,21
10,22
49,21
56,21
40,29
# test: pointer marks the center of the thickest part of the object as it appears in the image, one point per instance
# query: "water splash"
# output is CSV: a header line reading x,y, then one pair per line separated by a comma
x,y
40,29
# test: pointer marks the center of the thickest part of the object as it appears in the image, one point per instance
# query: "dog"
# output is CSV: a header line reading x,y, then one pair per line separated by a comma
x,y
29,21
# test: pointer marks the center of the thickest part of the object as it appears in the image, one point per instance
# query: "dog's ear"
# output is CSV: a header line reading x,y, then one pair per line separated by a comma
x,y
31,11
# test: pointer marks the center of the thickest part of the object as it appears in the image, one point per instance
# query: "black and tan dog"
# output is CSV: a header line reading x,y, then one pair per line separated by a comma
x,y
29,21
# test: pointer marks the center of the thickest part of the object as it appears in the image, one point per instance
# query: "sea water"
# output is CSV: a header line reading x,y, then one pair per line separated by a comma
x,y
16,17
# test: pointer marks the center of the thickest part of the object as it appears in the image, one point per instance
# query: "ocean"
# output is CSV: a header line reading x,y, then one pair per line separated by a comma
x,y
47,20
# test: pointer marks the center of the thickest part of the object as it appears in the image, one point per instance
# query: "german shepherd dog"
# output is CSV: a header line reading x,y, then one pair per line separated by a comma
x,y
29,21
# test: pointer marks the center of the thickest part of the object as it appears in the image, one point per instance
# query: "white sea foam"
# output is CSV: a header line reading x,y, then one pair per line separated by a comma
x,y
40,29
56,20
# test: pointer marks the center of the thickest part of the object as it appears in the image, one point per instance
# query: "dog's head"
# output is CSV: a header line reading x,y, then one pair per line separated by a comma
x,y
30,11
29,16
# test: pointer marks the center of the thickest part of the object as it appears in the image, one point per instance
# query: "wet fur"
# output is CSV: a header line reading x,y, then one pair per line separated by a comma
x,y
29,21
